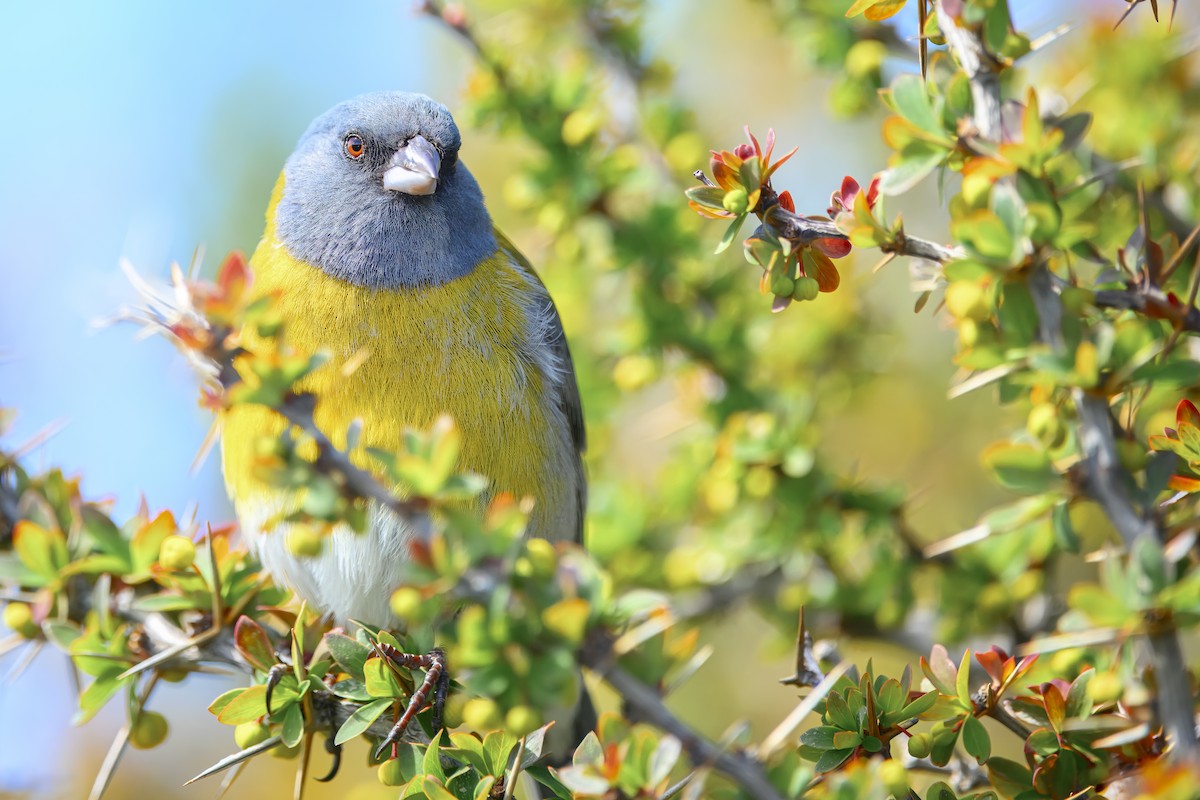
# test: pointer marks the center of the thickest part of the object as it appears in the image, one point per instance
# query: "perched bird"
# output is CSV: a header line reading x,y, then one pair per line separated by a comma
x,y
378,242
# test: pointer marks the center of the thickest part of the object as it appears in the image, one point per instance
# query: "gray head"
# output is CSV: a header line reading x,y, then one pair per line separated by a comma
x,y
375,195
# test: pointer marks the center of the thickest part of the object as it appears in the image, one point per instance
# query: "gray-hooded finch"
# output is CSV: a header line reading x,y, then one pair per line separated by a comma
x,y
378,242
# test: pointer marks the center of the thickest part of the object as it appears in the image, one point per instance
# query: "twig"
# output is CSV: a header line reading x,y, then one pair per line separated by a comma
x,y
905,245
1105,480
644,703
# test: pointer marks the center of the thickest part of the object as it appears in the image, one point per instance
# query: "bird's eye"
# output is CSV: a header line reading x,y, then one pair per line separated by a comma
x,y
354,146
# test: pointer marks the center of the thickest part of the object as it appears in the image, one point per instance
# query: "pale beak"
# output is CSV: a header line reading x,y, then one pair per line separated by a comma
x,y
414,168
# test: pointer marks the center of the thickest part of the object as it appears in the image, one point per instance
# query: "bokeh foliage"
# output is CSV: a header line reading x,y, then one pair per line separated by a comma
x,y
1064,271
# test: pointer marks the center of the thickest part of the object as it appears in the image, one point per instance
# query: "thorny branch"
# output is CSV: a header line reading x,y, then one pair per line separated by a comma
x,y
643,703
1106,480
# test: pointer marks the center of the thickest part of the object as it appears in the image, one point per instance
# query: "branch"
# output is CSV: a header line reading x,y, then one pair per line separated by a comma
x,y
642,702
1105,481
905,245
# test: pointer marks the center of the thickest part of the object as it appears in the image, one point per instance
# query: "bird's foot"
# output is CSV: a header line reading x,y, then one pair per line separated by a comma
x,y
437,680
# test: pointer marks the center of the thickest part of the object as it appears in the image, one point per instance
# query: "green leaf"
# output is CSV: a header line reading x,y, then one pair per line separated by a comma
x,y
1079,700
498,744
846,739
916,160
248,706
42,550
380,680
349,654
224,699
293,725
820,738
1043,741
1019,467
730,233
351,689
975,739
707,196
361,719
911,100
1008,777
95,696
838,712
832,759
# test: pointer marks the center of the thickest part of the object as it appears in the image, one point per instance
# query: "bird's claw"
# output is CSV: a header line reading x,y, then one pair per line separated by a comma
x,y
437,679
274,676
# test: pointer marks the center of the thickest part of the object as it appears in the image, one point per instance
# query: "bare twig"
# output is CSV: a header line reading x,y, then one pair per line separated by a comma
x,y
644,703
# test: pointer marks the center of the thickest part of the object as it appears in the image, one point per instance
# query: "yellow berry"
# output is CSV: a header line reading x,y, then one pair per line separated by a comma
x,y
481,714
18,618
249,734
736,201
806,289
920,746
177,552
391,773
406,603
452,713
279,751
521,720
1132,455
895,777
542,556
967,300
1105,687
304,542
1044,423
148,731
173,674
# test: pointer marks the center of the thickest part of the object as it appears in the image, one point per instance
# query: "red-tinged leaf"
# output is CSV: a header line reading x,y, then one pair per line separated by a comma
x,y
726,170
993,663
786,202
234,276
254,644
884,9
770,145
1056,706
850,189
940,670
827,275
771,169
757,147
1186,410
1184,483
834,248
710,213
873,191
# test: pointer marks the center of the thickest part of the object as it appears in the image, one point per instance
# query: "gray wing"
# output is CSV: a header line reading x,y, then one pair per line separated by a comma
x,y
566,386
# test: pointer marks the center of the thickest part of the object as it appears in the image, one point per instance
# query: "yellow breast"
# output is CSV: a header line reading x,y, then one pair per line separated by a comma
x,y
462,348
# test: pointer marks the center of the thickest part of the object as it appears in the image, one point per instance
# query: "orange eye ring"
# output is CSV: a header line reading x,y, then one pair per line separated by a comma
x,y
354,146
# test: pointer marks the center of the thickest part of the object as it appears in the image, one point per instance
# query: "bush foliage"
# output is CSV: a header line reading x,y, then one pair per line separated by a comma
x,y
1068,274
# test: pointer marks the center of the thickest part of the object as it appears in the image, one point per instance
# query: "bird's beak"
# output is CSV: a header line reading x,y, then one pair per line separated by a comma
x,y
414,168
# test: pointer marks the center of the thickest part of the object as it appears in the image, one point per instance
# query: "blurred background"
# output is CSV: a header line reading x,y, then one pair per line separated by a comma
x,y
146,130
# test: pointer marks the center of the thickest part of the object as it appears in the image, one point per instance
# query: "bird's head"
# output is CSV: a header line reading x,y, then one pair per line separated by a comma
x,y
374,194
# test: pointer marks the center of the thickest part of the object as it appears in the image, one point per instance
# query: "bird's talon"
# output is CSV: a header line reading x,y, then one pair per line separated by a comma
x,y
274,676
334,750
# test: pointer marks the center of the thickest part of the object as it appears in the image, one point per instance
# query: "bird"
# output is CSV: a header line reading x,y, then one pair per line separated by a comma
x,y
378,242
